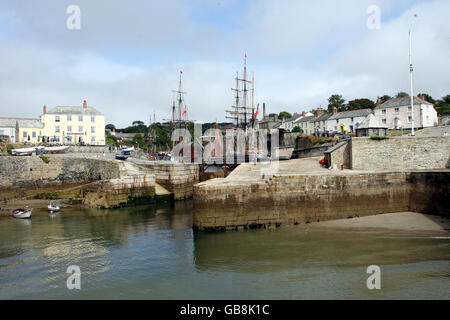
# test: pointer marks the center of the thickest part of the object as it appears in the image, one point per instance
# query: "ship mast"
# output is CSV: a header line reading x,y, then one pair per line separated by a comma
x,y
241,114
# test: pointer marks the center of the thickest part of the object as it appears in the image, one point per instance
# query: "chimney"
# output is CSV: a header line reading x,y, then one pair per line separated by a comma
x,y
264,110
303,113
45,109
334,110
319,111
84,104
378,101
284,119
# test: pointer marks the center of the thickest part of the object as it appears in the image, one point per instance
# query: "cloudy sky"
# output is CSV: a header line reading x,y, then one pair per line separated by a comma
x,y
126,57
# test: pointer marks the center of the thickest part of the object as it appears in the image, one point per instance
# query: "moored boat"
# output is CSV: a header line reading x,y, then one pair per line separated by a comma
x,y
53,207
127,151
22,213
121,157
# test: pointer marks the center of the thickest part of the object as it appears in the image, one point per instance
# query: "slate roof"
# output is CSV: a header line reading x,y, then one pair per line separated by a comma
x,y
74,110
277,125
371,122
351,114
305,119
323,117
293,118
400,102
23,122
8,122
30,123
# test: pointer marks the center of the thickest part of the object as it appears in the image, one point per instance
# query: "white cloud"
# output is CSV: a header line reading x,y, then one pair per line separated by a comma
x,y
126,60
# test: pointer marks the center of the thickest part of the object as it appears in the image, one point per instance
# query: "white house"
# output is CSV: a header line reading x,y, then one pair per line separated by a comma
x,y
346,121
397,113
8,128
288,124
305,123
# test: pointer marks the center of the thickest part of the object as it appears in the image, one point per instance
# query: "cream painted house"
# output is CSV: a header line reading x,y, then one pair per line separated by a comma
x,y
73,125
22,130
29,130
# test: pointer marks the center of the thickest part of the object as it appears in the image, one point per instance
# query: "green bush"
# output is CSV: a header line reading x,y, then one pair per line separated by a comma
x,y
45,159
47,195
9,148
378,137
297,129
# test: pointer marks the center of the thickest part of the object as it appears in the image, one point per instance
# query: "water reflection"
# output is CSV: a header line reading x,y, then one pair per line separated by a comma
x,y
151,252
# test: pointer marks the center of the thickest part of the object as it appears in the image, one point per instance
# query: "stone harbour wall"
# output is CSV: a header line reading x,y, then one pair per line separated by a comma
x,y
124,191
33,172
287,200
400,153
178,178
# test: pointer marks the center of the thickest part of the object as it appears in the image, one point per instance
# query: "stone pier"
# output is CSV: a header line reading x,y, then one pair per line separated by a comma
x,y
247,200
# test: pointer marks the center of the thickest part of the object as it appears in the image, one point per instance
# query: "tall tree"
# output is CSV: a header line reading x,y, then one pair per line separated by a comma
x,y
402,95
137,123
443,105
427,97
110,126
361,104
284,114
385,98
337,101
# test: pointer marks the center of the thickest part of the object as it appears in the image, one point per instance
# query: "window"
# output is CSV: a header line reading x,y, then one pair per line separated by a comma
x,y
56,128
92,118
351,119
80,118
69,128
80,129
92,129
384,121
409,108
409,119
69,118
56,118
25,134
383,111
337,120
33,134
92,139
397,110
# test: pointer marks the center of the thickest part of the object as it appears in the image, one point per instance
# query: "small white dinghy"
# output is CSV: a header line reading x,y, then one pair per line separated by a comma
x,y
21,213
53,207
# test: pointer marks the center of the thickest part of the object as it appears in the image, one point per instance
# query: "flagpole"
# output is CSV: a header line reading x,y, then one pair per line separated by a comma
x,y
411,84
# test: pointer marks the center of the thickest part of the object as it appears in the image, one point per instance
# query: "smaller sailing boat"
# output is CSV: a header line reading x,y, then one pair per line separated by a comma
x,y
22,213
53,207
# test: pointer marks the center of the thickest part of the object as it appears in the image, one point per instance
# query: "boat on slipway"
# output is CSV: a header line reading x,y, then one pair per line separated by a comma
x,y
39,150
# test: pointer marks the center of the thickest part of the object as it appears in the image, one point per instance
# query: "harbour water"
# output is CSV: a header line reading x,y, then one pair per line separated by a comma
x,y
152,253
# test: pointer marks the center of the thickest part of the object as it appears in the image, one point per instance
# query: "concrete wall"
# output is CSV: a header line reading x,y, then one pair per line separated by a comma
x,y
400,153
310,152
306,198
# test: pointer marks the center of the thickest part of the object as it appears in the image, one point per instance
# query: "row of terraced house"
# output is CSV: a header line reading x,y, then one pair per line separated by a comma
x,y
395,113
